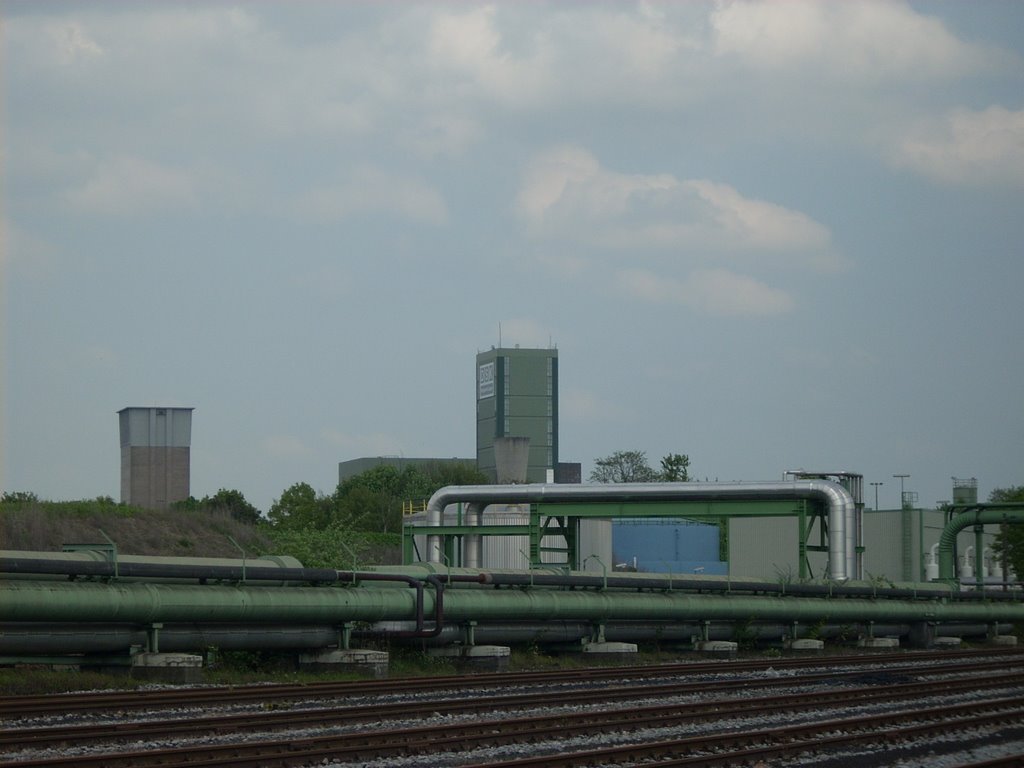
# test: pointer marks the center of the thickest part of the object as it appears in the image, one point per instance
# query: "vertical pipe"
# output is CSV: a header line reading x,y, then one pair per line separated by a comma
x,y
471,543
979,555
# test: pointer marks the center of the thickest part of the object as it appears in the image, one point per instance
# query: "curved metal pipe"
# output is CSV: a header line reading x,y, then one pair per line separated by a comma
x,y
947,539
842,510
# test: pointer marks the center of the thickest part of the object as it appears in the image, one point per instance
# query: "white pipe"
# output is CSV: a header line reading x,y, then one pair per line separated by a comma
x,y
967,569
842,511
471,544
931,568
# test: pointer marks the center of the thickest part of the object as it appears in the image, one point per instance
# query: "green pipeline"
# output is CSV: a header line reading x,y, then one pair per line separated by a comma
x,y
152,603
989,516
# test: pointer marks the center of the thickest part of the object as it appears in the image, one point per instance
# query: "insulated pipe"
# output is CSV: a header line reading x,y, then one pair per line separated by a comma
x,y
220,573
947,539
559,632
51,639
148,603
842,511
710,585
472,544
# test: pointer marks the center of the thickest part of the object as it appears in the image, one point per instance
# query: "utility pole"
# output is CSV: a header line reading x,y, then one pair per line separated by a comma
x,y
876,492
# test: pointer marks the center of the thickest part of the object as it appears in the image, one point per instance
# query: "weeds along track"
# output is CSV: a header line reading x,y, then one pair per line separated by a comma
x,y
715,712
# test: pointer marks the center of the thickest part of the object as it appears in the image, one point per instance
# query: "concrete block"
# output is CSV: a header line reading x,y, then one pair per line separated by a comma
x,y
486,657
167,667
1004,640
606,648
879,643
951,643
362,660
804,644
716,647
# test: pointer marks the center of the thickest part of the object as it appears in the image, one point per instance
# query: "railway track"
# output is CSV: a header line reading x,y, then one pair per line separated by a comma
x,y
28,706
720,719
348,714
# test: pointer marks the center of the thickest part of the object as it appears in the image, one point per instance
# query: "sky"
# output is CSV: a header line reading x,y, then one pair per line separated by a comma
x,y
767,235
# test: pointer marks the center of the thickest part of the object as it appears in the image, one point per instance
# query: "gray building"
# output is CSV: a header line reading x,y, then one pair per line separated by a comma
x,y
347,469
517,397
155,460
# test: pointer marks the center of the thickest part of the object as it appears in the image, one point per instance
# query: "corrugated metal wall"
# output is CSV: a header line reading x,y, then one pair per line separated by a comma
x,y
768,548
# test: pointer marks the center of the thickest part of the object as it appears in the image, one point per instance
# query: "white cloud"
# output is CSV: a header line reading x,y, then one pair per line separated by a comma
x,y
853,41
566,193
714,292
370,190
73,43
470,46
126,185
439,80
758,224
966,147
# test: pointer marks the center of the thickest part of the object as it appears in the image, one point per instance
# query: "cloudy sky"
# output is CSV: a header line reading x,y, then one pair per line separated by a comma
x,y
768,235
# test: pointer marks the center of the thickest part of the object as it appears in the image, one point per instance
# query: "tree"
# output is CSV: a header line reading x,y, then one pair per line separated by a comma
x,y
301,507
372,500
453,473
19,497
234,503
623,467
632,467
1010,541
675,468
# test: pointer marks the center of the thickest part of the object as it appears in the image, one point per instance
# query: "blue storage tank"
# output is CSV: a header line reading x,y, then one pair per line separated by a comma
x,y
666,545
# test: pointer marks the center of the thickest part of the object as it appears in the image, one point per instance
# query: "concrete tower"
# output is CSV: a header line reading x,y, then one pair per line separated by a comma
x,y
155,456
517,397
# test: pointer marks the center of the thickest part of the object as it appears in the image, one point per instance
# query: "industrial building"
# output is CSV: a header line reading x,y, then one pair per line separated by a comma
x,y
353,467
517,442
765,531
155,456
517,397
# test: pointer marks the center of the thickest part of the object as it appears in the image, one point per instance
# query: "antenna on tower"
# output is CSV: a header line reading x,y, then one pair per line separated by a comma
x,y
499,335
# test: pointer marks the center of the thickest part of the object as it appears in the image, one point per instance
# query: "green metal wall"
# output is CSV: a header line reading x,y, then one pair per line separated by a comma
x,y
517,396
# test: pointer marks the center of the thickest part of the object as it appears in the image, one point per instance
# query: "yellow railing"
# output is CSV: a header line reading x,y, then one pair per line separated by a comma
x,y
413,506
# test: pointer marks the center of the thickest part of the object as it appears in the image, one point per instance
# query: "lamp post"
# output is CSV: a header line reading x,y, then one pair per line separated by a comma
x,y
876,492
901,479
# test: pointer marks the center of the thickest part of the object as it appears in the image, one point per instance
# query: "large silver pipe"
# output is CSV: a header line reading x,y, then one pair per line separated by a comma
x,y
842,510
472,543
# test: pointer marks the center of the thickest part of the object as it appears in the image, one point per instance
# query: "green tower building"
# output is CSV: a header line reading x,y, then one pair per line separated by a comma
x,y
517,397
